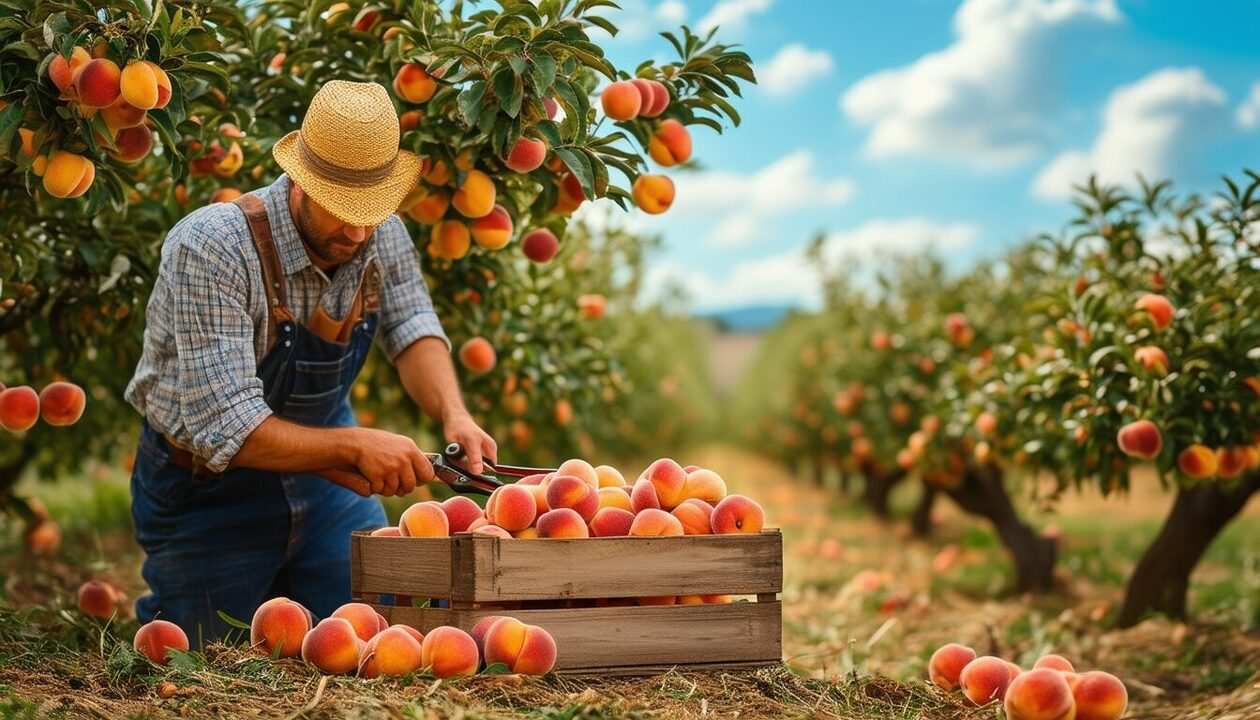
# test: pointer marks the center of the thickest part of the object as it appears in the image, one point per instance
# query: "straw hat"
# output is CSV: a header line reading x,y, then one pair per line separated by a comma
x,y
346,155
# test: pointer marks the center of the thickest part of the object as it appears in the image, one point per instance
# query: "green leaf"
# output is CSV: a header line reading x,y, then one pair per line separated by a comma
x,y
580,166
10,120
550,131
544,73
231,620
497,669
469,102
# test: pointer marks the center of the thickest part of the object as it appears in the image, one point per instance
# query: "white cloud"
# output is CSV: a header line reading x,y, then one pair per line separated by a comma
x,y
786,185
792,69
638,20
1157,126
984,98
731,15
672,11
1249,111
789,278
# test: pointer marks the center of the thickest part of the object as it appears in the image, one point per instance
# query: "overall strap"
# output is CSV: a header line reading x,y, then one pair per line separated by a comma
x,y
371,286
272,270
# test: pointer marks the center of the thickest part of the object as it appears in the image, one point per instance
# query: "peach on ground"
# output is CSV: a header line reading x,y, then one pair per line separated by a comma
x,y
414,84
669,480
704,484
1159,308
1040,694
279,625
695,516
19,408
947,664
527,155
132,143
99,83
450,239
643,496
1015,669
653,522
138,85
493,531
670,144
570,491
426,205
461,511
609,476
449,652
332,646
1140,439
155,638
621,100
562,523
540,245
1099,696
985,679
526,649
475,197
424,519
612,522
479,630
477,354
494,231
580,469
1153,358
653,193
393,652
98,599
1054,662
68,175
44,538
388,531
365,621
737,514
62,72
616,497
512,508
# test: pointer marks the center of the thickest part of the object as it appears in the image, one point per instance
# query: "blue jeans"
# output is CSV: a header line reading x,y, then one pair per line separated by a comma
x,y
227,545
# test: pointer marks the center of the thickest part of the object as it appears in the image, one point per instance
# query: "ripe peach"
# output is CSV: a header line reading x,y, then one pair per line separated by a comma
x,y
985,679
279,625
424,519
68,175
562,523
669,480
1040,694
616,497
1197,462
1140,439
365,20
621,100
643,496
231,161
450,240
121,115
449,652
477,354
44,538
737,514
365,621
568,491
154,639
526,649
592,306
479,630
670,144
569,194
1015,669
528,533
414,84
665,600
19,408
511,507
163,84
947,663
28,141
62,72
540,497
1231,461
410,120
393,651
609,476
461,511
612,521
986,423
1159,308
1099,696
494,531
580,469
475,197
653,97
494,231
527,155
98,599
99,83
704,484
138,85
540,245
225,195
1153,358
425,205
653,193
695,516
655,522
133,143
332,646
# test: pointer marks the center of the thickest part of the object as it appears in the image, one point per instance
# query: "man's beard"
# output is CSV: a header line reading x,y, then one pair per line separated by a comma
x,y
335,248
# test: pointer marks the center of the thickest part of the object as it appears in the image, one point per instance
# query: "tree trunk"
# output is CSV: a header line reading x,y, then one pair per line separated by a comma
x,y
1160,580
921,521
820,473
878,487
11,471
983,493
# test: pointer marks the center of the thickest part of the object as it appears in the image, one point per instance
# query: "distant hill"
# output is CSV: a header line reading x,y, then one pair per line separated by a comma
x,y
751,319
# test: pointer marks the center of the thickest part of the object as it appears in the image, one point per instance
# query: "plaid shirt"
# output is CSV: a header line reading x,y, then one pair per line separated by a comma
x,y
197,381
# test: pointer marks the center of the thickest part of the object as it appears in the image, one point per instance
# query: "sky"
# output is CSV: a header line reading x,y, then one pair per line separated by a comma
x,y
912,124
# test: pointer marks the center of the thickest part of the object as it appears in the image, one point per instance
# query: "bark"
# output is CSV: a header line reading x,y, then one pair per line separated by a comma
x,y
1161,579
878,487
921,521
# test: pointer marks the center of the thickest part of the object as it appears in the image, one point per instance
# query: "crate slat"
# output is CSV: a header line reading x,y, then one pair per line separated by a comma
x,y
402,565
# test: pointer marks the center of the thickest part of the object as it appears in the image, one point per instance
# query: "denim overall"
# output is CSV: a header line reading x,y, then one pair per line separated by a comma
x,y
229,542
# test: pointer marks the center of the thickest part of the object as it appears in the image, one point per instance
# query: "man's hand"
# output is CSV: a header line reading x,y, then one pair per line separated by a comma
x,y
391,464
477,443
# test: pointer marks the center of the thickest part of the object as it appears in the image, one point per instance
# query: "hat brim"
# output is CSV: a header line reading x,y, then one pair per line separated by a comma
x,y
363,205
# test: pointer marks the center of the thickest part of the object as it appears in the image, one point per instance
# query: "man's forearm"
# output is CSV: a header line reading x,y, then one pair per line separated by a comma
x,y
428,374
279,445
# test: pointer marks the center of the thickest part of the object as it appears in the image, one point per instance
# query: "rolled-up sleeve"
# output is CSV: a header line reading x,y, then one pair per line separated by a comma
x,y
407,312
221,396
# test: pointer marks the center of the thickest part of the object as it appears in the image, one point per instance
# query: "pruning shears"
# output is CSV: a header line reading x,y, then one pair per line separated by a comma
x,y
450,469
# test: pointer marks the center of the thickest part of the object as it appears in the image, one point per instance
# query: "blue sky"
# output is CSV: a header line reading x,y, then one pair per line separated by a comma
x,y
901,124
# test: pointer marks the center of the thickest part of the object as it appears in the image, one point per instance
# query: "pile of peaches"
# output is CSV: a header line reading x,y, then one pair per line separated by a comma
x,y
1052,690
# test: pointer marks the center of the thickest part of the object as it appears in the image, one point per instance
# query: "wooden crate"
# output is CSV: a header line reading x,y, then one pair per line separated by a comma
x,y
553,583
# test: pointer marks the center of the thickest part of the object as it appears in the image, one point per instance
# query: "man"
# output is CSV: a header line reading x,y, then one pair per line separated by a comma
x,y
250,475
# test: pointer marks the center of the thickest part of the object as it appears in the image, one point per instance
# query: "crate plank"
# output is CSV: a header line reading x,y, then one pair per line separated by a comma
x,y
642,670
600,639
402,565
